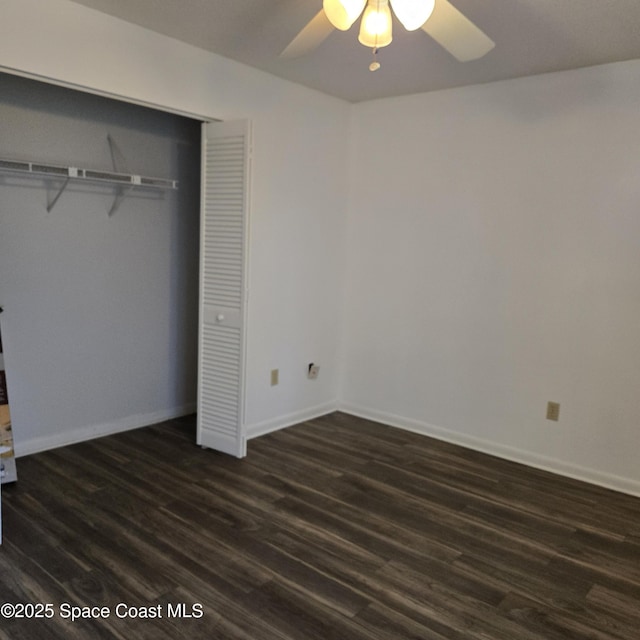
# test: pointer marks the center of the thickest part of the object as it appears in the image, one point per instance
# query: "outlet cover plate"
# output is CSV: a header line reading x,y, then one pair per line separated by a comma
x,y
553,411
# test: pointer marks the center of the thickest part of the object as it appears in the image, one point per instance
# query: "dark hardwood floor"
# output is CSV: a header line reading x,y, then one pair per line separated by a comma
x,y
338,528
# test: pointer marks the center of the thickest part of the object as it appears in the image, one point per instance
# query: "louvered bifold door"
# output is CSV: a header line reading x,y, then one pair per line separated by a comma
x,y
223,285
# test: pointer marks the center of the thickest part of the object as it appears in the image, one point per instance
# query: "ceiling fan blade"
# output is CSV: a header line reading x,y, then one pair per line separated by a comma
x,y
312,36
456,33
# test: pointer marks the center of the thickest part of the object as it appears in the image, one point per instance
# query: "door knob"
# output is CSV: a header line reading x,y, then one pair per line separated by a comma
x,y
219,317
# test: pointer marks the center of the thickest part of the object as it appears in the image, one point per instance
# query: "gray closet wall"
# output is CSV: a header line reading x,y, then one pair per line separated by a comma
x,y
100,320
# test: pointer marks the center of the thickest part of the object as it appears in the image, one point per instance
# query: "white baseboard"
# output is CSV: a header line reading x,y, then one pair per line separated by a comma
x,y
36,445
281,422
603,479
570,470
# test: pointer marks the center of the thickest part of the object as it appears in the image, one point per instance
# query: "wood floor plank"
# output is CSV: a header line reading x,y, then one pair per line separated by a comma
x,y
385,538
617,605
339,527
557,624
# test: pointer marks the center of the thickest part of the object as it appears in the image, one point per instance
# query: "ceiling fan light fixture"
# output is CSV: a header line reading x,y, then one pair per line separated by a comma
x,y
375,28
413,13
343,13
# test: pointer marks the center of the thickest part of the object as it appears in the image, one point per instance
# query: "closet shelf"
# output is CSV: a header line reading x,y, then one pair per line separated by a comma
x,y
110,177
39,169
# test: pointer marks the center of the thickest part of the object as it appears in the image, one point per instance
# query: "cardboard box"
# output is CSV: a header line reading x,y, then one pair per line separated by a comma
x,y
7,458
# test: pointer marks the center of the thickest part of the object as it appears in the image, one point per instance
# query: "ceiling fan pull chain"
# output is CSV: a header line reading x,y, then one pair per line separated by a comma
x,y
375,65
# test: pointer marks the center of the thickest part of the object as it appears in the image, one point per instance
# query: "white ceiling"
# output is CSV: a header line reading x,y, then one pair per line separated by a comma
x,y
531,36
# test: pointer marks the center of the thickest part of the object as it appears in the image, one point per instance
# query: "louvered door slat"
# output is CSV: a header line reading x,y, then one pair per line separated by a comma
x,y
225,163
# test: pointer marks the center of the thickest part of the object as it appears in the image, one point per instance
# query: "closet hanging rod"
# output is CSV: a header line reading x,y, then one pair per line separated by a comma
x,y
89,175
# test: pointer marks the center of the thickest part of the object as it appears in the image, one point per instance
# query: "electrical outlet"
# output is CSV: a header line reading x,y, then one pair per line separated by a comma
x,y
274,377
553,411
313,371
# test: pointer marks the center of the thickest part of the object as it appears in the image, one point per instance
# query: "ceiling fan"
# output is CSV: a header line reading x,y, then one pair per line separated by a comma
x,y
440,19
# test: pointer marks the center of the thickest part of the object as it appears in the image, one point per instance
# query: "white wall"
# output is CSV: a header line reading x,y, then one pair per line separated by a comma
x,y
494,264
298,194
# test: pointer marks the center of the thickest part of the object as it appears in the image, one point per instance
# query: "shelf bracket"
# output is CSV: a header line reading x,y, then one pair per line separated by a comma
x,y
121,194
57,197
113,150
117,201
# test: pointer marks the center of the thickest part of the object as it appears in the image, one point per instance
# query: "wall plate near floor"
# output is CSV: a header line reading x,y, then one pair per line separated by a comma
x,y
553,411
313,371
